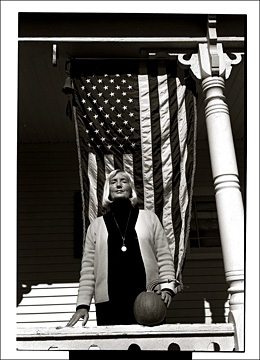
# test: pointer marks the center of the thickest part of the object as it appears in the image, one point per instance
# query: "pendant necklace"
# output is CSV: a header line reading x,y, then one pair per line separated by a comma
x,y
123,248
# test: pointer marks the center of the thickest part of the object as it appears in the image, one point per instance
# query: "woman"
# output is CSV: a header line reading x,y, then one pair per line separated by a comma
x,y
124,251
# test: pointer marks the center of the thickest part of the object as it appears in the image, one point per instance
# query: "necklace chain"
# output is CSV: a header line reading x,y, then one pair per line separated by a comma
x,y
123,248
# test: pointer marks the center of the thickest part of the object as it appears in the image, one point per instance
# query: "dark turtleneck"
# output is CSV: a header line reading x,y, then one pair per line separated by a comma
x,y
126,273
121,209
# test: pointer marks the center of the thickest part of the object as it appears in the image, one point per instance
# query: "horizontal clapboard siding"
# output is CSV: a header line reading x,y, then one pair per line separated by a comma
x,y
50,305
204,298
203,176
48,272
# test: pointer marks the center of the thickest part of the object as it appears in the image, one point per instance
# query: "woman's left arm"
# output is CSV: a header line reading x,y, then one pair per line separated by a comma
x,y
164,258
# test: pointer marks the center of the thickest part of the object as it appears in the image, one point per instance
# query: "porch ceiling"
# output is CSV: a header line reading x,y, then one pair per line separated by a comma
x,y
42,104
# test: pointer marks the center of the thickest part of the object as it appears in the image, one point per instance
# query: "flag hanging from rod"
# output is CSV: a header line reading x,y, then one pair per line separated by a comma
x,y
146,125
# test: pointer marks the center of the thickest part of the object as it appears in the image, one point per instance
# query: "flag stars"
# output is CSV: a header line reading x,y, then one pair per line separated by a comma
x,y
109,108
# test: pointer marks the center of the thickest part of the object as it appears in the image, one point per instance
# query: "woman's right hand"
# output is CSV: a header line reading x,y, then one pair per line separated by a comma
x,y
81,313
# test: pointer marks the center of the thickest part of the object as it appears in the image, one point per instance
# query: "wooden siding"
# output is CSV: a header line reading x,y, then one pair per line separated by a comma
x,y
48,272
204,298
203,185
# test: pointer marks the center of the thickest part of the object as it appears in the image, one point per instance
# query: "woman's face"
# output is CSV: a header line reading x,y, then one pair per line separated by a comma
x,y
119,187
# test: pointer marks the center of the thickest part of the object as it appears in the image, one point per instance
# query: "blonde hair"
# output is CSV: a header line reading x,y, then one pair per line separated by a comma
x,y
106,202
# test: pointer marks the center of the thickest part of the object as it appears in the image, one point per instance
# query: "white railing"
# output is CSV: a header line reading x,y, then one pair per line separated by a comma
x,y
183,337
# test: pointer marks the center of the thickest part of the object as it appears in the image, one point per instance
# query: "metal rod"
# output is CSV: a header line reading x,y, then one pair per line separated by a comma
x,y
151,57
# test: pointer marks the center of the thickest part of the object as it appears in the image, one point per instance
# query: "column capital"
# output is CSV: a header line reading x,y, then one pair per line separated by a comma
x,y
210,59
201,64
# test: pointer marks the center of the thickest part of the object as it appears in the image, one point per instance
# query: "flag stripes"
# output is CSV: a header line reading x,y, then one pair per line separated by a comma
x,y
93,183
156,139
128,164
175,150
145,125
109,163
166,155
183,194
146,141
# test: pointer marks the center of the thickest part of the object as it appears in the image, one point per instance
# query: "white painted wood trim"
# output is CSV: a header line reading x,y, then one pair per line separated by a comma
x,y
202,39
123,330
118,39
190,337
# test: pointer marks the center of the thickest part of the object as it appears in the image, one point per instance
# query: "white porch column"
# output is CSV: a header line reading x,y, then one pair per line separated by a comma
x,y
228,198
211,66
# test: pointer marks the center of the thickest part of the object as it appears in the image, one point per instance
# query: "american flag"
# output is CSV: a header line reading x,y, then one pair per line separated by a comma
x,y
145,125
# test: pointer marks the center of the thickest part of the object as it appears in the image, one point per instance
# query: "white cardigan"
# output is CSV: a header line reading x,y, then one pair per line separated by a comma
x,y
158,261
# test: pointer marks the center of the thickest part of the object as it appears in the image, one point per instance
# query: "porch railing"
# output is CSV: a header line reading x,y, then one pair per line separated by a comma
x,y
183,337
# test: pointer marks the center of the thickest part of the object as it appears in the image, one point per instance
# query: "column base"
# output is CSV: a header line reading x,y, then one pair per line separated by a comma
x,y
236,317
